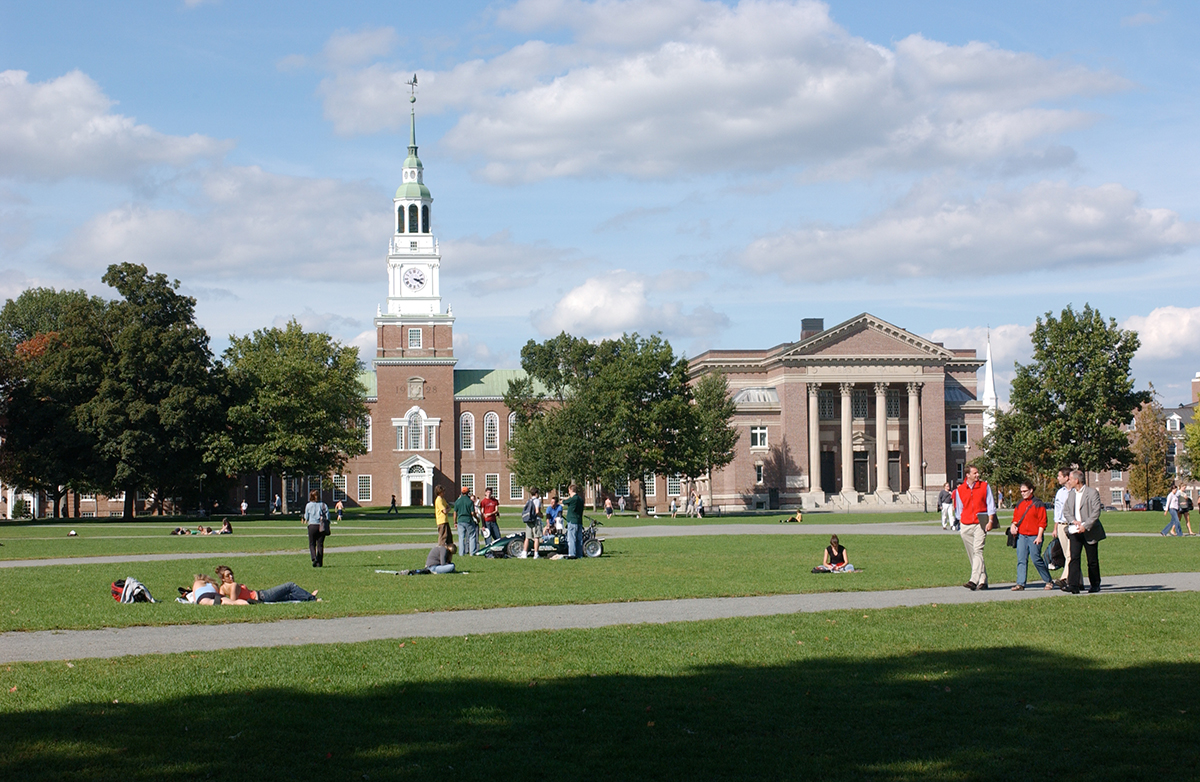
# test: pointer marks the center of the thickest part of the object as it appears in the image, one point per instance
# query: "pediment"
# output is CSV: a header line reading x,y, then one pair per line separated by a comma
x,y
867,337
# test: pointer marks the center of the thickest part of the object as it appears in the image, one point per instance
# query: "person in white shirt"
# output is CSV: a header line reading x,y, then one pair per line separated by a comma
x,y
1172,510
1061,523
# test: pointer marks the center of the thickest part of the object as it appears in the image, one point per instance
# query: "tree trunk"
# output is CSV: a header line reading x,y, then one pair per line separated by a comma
x,y
130,496
283,495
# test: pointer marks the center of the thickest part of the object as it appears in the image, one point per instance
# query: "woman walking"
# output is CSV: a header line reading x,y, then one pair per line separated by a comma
x,y
1029,525
316,518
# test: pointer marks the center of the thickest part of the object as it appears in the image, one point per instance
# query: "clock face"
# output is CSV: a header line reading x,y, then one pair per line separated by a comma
x,y
414,279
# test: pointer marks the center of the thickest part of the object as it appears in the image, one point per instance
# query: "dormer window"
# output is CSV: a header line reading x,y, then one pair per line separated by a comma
x,y
1173,424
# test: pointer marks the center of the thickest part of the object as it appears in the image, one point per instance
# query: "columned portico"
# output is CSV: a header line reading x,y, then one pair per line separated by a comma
x,y
847,443
814,441
881,441
914,437
416,481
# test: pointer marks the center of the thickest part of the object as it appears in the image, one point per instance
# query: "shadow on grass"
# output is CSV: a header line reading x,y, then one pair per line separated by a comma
x,y
959,715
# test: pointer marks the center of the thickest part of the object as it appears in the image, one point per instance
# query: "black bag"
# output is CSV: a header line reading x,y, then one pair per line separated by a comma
x,y
325,520
1055,555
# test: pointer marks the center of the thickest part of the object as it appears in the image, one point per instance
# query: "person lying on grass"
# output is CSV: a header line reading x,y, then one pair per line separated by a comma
x,y
836,560
238,594
204,592
438,561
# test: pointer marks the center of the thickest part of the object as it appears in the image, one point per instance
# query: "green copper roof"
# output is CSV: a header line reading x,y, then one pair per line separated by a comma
x,y
369,382
413,190
471,383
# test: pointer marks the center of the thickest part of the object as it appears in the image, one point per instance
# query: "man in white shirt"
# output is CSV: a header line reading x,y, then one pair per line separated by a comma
x,y
1083,516
1060,523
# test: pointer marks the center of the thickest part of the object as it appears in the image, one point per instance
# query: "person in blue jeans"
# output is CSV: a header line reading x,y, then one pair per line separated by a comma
x,y
437,563
573,507
1172,510
239,594
468,528
1029,525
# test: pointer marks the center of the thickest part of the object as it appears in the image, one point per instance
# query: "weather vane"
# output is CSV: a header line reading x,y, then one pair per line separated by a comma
x,y
412,86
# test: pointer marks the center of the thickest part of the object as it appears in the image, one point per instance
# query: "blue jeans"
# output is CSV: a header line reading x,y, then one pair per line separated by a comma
x,y
468,537
446,568
1173,523
1027,546
494,529
574,540
284,593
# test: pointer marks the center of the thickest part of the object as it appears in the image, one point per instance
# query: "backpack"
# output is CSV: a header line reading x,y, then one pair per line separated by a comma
x,y
529,514
130,590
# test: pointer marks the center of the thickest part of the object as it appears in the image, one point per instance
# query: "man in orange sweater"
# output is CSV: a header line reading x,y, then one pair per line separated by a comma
x,y
975,507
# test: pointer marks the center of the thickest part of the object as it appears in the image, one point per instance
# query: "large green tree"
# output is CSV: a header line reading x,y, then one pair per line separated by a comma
x,y
1148,469
714,442
298,406
52,351
1189,459
615,409
1070,402
157,403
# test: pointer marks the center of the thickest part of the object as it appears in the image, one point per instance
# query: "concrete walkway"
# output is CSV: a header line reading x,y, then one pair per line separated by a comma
x,y
80,644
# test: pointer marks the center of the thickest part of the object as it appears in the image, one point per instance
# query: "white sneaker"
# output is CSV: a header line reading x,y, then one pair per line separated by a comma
x,y
535,555
523,555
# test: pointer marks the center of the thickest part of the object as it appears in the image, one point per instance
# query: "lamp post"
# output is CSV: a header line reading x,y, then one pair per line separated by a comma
x,y
924,487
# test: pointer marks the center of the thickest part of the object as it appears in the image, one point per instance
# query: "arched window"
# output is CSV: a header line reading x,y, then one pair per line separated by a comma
x,y
466,432
425,219
412,218
491,432
400,220
512,424
416,432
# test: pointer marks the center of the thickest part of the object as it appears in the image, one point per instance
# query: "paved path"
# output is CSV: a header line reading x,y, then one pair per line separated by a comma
x,y
79,644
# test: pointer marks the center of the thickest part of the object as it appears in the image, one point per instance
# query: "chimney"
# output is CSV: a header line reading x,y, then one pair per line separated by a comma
x,y
1196,388
810,327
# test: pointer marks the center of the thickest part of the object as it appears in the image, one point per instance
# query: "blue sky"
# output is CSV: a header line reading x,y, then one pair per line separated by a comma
x,y
713,171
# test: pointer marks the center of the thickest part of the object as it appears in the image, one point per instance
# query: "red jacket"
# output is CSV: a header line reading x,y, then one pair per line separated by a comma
x,y
1030,516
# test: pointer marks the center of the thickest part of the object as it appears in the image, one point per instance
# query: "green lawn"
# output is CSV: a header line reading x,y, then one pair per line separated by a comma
x,y
1066,689
77,596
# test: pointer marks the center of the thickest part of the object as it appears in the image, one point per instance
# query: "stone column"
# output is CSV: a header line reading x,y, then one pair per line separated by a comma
x,y
881,440
914,437
847,443
814,439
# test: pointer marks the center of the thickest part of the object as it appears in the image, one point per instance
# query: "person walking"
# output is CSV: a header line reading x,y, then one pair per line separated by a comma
x,y
1086,531
441,514
489,511
316,519
1029,525
975,507
1185,509
946,504
245,505
392,508
574,517
339,508
277,507
1061,523
1171,510
468,529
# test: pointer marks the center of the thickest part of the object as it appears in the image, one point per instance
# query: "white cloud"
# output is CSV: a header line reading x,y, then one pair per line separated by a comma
x,y
1045,225
1168,333
661,89
497,263
248,224
328,322
618,302
64,128
1010,344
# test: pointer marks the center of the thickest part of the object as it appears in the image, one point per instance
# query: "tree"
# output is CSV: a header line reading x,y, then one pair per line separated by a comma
x,y
621,407
1148,469
1071,401
1011,453
51,351
1188,457
715,441
157,402
297,405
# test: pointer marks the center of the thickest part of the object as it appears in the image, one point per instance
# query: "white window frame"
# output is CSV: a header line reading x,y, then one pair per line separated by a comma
x,y
466,432
650,484
467,480
87,514
263,489
674,485
491,481
621,489
491,432
1116,496
1114,475
367,429
512,424
758,474
414,344
415,438
515,491
364,482
339,488
758,438
314,482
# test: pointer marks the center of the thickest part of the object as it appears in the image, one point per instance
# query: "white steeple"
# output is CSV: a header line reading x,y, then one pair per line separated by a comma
x,y
990,402
414,260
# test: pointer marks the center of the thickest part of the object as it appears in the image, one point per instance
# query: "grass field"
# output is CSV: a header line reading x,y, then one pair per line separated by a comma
x,y
1065,689
77,596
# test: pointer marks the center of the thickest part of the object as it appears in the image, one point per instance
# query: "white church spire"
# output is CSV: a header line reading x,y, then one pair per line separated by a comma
x,y
990,402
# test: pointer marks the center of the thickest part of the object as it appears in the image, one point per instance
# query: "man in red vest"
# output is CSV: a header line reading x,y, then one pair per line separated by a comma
x,y
976,510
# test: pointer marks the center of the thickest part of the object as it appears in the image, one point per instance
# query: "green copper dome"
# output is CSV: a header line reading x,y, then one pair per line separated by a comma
x,y
413,190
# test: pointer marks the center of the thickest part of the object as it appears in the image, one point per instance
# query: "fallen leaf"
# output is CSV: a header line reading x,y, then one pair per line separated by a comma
x,y
12,689
649,724
70,665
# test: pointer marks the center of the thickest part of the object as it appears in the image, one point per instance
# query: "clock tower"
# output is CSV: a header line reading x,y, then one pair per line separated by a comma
x,y
413,257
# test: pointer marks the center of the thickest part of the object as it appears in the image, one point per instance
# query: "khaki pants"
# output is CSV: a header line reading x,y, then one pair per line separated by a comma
x,y
1064,540
973,538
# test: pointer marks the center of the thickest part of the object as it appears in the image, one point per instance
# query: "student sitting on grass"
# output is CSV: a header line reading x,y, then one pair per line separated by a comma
x,y
238,594
836,560
437,562
226,527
